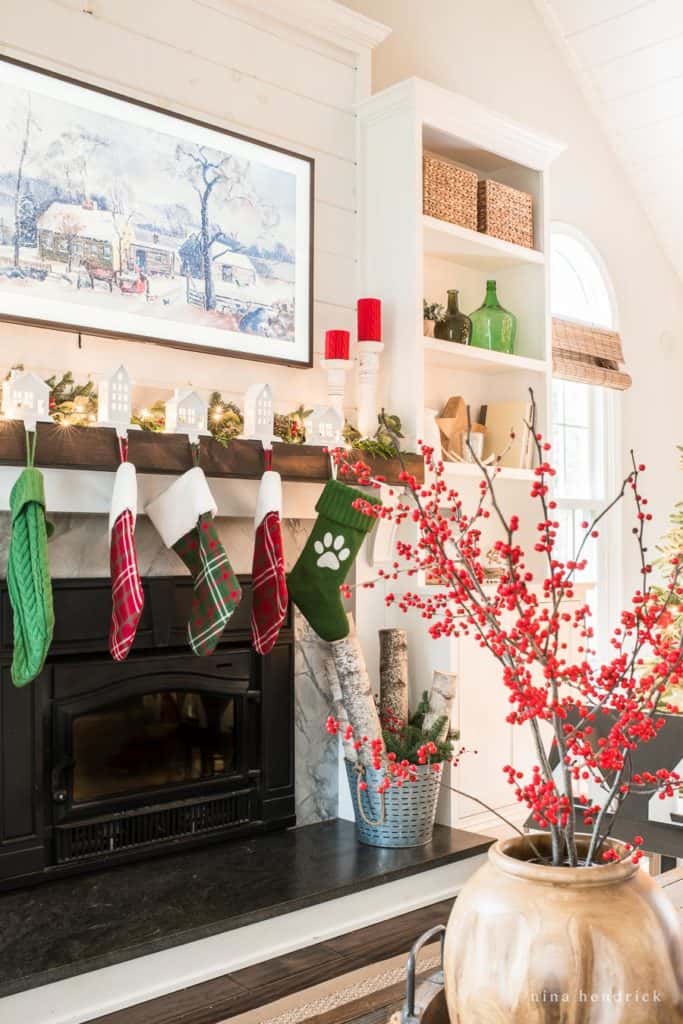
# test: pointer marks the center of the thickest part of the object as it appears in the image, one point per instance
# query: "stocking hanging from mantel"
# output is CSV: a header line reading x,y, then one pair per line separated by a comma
x,y
126,586
269,593
325,561
183,516
28,572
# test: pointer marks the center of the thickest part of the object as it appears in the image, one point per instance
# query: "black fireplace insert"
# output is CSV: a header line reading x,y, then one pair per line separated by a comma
x,y
102,762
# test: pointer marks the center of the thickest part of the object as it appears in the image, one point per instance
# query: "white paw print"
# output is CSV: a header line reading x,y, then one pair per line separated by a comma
x,y
331,551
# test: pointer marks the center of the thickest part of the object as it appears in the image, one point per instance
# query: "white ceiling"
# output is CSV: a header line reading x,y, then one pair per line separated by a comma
x,y
629,55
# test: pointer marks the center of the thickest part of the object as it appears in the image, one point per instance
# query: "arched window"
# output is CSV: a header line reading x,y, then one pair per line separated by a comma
x,y
583,415
579,286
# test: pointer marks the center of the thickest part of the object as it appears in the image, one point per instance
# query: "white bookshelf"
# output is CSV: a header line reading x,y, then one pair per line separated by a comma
x,y
405,257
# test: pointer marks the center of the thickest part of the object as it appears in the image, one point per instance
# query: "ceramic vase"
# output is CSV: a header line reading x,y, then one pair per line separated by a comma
x,y
532,944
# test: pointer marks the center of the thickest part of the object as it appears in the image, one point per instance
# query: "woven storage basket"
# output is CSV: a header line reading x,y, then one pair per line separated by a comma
x,y
506,213
404,815
449,192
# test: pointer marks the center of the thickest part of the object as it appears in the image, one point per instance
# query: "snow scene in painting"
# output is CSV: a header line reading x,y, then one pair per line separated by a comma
x,y
103,213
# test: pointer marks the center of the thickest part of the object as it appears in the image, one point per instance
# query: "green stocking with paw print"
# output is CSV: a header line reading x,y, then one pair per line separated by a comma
x,y
324,563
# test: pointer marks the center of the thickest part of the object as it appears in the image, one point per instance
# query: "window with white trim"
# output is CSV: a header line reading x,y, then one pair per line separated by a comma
x,y
583,415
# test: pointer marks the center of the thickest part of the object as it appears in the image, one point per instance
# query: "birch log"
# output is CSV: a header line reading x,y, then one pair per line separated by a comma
x,y
393,675
357,695
440,701
339,710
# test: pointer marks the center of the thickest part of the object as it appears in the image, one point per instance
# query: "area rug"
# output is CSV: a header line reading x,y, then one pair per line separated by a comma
x,y
369,995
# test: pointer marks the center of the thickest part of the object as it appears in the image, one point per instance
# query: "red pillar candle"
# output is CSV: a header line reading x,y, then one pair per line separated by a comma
x,y
369,320
337,344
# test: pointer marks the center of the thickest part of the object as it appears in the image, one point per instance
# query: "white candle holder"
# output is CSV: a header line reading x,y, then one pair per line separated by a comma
x,y
368,357
336,370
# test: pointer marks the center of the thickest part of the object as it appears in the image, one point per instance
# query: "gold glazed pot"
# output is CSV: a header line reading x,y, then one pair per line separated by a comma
x,y
530,944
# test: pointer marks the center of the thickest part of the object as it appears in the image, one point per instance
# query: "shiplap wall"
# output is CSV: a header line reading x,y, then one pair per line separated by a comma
x,y
238,68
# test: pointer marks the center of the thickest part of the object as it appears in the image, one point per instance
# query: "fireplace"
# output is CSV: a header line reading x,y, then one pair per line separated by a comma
x,y
104,762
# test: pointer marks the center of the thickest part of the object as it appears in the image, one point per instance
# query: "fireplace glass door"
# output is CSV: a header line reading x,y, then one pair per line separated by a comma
x,y
147,741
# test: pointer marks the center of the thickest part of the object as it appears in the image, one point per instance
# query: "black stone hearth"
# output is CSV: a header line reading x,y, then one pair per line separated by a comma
x,y
68,926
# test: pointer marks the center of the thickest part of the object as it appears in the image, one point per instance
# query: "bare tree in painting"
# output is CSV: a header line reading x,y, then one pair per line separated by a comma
x,y
122,213
29,123
213,176
69,228
69,157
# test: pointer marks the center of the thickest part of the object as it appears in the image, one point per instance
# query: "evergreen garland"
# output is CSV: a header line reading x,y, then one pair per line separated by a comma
x,y
225,419
153,419
381,444
75,404
290,427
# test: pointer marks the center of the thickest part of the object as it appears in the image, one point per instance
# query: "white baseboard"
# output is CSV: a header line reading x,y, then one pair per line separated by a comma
x,y
86,996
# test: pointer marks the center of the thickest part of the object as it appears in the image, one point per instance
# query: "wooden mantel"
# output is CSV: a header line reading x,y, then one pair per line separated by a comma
x,y
96,448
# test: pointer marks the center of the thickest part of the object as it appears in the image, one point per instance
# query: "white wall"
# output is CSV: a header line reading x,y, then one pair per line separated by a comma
x,y
499,53
238,68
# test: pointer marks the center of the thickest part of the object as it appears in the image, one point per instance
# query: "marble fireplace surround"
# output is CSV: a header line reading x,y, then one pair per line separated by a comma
x,y
79,549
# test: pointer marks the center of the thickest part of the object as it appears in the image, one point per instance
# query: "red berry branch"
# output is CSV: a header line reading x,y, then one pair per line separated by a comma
x,y
524,620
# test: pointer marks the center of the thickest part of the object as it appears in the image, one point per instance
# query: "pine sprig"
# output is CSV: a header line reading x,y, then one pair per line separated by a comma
x,y
404,741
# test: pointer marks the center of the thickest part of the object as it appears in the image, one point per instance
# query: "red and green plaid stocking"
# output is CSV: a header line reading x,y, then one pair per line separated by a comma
x,y
216,590
183,515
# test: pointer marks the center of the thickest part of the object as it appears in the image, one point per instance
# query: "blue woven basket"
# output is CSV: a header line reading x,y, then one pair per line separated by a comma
x,y
404,815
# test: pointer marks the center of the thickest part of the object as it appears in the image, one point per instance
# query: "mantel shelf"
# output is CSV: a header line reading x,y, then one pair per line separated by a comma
x,y
96,449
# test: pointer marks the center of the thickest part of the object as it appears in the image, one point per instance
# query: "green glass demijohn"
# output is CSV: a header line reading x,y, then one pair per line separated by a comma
x,y
455,326
492,326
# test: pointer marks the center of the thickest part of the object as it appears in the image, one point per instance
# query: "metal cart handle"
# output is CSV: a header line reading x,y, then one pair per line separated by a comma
x,y
408,1011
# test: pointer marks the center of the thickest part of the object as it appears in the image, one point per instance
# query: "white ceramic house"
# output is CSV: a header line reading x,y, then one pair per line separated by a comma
x,y
325,426
258,413
186,413
26,397
114,399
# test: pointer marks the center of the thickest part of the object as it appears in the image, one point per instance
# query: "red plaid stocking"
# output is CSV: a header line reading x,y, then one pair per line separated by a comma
x,y
269,600
126,586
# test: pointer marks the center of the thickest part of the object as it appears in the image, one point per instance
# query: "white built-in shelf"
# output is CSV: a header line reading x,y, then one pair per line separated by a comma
x,y
472,248
467,359
451,470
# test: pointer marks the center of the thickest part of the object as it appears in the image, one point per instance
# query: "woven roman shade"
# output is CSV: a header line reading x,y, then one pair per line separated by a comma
x,y
591,355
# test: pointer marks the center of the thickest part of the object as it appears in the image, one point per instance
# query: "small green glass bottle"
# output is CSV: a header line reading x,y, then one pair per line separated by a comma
x,y
492,326
455,326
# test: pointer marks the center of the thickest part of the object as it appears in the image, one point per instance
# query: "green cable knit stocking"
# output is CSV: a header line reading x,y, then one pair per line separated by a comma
x,y
324,563
28,573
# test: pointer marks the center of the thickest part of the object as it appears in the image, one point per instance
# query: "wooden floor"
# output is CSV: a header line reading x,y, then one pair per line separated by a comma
x,y
214,1001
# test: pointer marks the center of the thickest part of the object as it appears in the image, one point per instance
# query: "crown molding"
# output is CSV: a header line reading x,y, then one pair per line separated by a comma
x,y
324,19
463,117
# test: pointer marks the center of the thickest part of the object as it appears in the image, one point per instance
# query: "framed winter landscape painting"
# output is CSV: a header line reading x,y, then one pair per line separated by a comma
x,y
122,219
